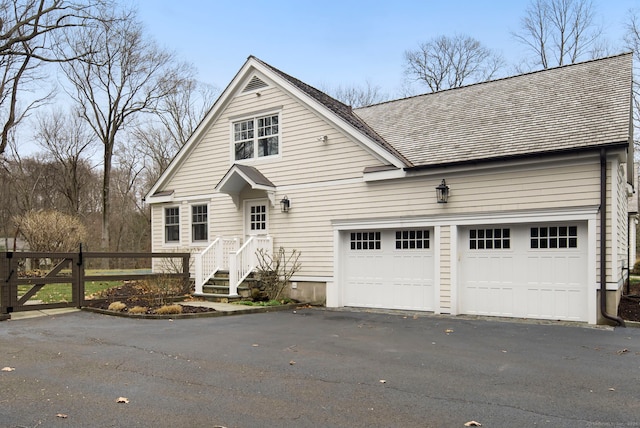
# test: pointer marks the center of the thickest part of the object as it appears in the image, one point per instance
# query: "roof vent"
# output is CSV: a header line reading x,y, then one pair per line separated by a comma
x,y
254,84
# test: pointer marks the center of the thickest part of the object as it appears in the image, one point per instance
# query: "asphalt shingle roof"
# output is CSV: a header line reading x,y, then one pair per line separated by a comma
x,y
586,105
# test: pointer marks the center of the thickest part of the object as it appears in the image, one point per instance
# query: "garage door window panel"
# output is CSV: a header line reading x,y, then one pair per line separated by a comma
x,y
489,239
554,237
365,241
412,239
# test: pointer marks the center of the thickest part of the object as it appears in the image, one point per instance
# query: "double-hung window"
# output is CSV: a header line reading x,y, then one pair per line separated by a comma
x,y
199,223
256,137
172,224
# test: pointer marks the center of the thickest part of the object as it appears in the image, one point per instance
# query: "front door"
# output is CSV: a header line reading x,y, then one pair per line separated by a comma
x,y
256,217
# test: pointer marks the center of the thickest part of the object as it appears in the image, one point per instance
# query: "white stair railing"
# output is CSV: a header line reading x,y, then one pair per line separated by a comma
x,y
243,261
212,259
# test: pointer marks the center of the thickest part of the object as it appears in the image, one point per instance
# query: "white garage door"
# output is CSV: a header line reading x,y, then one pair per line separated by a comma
x,y
524,271
390,269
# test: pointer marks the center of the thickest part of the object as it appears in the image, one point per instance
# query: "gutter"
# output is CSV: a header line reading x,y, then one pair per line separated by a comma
x,y
603,241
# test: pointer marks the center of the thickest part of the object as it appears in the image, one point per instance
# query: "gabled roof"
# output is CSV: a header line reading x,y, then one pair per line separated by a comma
x,y
565,109
575,107
332,110
239,176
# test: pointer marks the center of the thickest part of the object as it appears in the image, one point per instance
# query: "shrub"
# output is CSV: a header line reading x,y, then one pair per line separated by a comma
x,y
169,310
138,310
161,289
51,231
117,306
276,270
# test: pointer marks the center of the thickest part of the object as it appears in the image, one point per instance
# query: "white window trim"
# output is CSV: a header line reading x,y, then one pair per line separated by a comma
x,y
191,240
164,225
253,117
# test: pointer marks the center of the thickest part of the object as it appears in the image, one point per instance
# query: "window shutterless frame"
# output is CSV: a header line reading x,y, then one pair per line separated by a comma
x,y
199,223
171,219
256,137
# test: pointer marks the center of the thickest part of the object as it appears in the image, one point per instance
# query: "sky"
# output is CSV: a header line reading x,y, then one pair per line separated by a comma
x,y
328,43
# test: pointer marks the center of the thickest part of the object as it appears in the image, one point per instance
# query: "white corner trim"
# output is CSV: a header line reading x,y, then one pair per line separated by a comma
x,y
437,273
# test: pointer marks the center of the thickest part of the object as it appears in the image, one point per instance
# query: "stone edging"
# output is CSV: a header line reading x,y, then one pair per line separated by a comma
x,y
211,314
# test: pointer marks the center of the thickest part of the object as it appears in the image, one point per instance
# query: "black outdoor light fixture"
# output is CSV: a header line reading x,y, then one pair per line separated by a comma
x,y
442,192
285,204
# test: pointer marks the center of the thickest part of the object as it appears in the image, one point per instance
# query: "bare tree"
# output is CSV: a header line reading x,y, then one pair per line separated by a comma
x,y
450,62
632,43
28,36
127,76
132,219
560,32
69,142
358,95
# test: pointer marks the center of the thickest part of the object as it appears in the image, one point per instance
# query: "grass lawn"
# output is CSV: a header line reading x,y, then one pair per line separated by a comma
x,y
55,293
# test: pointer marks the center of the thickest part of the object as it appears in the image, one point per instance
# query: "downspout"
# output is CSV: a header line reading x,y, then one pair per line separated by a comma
x,y
603,241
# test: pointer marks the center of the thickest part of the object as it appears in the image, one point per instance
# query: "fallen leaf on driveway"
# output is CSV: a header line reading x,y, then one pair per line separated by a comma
x,y
612,389
255,345
383,381
8,369
473,424
62,416
449,330
124,400
291,362
623,351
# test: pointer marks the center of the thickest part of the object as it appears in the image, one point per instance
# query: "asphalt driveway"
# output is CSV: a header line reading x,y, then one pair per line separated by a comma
x,y
315,368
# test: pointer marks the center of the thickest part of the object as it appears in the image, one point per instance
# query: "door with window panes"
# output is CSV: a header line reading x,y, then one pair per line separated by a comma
x,y
256,217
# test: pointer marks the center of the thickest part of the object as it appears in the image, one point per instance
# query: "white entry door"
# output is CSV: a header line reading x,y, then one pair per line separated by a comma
x,y
256,217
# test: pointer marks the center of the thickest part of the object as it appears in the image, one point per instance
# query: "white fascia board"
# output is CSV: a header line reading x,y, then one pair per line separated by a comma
x,y
384,175
159,199
529,216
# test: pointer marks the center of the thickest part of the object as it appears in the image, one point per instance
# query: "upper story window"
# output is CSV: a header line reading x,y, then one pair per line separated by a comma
x,y
199,223
172,224
257,137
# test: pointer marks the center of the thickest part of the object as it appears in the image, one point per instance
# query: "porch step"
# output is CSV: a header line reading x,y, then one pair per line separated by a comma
x,y
217,287
243,290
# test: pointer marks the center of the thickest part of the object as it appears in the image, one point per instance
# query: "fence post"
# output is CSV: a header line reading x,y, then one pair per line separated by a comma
x,y
5,296
79,279
185,269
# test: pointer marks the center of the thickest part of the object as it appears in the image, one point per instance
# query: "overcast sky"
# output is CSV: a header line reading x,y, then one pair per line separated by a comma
x,y
327,43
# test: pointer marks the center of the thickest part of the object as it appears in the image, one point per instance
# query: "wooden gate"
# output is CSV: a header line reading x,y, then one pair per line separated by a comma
x,y
17,288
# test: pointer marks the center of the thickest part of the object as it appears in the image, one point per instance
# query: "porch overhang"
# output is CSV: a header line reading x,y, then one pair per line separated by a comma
x,y
240,176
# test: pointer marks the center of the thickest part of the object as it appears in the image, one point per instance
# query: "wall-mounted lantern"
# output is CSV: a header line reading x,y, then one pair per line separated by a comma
x,y
285,204
442,192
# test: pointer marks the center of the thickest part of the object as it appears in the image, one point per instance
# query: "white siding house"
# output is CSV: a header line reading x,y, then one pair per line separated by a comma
x,y
530,163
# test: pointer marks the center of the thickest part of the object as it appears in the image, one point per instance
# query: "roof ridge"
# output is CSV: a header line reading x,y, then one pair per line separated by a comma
x,y
515,76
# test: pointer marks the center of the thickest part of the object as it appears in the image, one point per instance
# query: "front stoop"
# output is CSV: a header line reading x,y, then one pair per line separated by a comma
x,y
217,288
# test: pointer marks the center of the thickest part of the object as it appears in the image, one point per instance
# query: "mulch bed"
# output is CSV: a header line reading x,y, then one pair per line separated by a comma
x,y
132,294
629,307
